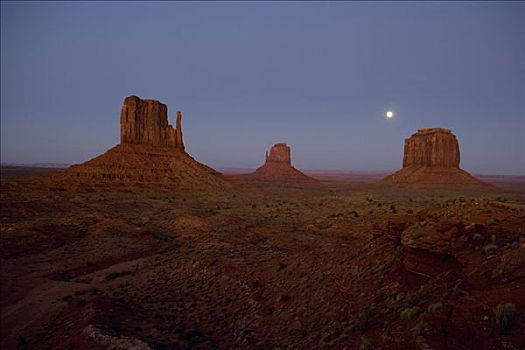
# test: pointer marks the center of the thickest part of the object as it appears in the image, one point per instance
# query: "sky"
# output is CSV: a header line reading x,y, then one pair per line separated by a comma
x,y
319,76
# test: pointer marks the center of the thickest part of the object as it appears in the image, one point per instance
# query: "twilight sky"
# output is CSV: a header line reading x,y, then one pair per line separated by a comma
x,y
319,76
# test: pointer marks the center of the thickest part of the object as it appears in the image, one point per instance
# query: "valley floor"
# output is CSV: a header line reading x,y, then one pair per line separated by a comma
x,y
335,265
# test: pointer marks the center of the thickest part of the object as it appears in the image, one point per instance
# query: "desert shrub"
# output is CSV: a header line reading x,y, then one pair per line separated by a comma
x,y
416,298
512,239
409,313
489,247
365,320
419,327
397,240
422,343
386,337
123,285
112,275
21,343
505,316
364,346
477,236
79,301
94,291
74,300
161,236
323,226
491,222
434,307
286,297
419,235
455,290
160,346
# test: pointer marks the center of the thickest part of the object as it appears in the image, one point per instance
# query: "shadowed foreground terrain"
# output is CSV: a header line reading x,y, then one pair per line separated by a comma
x,y
337,264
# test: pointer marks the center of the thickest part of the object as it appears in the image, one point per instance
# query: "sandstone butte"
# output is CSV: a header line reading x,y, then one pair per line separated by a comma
x,y
431,156
278,167
151,153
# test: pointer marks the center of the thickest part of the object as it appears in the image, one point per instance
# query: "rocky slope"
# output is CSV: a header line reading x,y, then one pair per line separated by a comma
x,y
134,166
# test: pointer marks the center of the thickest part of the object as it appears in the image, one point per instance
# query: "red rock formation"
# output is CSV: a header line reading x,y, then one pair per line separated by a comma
x,y
279,153
144,166
432,147
431,156
151,154
278,167
146,122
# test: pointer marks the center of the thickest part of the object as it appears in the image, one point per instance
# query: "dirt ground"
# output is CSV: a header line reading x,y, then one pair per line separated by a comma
x,y
343,264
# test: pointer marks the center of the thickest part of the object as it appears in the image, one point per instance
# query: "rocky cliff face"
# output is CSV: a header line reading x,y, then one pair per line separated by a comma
x,y
150,156
432,147
146,122
431,156
278,167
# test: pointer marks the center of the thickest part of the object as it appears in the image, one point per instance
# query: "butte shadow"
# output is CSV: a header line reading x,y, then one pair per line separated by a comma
x,y
151,155
431,157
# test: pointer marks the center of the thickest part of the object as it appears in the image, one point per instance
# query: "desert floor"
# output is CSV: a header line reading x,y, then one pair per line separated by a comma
x,y
343,264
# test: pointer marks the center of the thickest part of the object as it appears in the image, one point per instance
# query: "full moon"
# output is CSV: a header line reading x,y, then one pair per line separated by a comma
x,y
389,114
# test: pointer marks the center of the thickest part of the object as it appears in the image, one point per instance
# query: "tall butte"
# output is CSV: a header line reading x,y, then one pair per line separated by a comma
x,y
431,156
151,154
146,122
278,167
